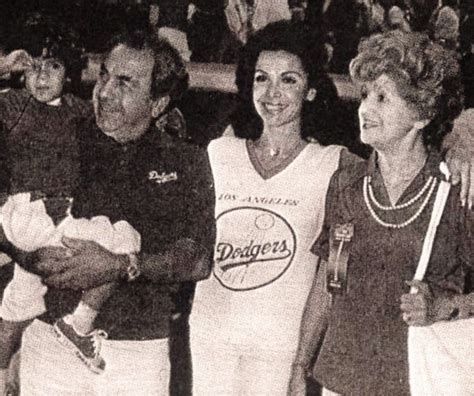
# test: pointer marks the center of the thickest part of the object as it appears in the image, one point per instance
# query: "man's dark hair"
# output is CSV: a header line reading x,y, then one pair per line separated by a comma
x,y
169,75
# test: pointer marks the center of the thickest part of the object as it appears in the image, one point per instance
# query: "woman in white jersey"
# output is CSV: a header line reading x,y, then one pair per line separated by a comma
x,y
245,318
271,184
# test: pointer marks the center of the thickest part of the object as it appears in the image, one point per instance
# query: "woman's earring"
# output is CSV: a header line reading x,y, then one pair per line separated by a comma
x,y
311,95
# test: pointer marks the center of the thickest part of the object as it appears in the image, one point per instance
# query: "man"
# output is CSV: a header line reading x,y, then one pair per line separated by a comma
x,y
163,187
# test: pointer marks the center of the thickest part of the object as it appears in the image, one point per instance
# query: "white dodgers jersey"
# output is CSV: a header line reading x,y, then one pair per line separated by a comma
x,y
263,268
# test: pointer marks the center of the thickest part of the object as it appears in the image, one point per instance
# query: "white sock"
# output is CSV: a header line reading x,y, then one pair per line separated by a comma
x,y
82,319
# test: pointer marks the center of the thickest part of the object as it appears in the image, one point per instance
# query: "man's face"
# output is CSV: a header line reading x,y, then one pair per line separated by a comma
x,y
122,95
45,79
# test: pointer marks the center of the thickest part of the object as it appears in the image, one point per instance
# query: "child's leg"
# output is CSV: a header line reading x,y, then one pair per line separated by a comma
x,y
23,298
75,331
22,301
10,338
82,319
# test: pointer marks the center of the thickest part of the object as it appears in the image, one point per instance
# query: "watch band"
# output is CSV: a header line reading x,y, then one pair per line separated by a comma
x,y
133,270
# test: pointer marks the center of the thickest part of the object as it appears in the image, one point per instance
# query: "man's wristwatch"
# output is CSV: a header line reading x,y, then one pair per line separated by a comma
x,y
133,270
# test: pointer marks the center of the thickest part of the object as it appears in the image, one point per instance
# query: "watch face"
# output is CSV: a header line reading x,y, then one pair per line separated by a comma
x,y
133,272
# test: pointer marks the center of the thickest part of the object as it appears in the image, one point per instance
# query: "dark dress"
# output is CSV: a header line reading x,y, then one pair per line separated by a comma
x,y
365,347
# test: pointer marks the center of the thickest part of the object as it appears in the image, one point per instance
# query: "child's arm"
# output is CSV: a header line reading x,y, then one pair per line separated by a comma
x,y
15,61
10,338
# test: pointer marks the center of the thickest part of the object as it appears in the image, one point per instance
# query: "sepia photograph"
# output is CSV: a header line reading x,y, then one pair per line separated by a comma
x,y
237,198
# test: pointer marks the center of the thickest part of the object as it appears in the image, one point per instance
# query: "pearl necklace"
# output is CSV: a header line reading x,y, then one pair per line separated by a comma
x,y
366,190
403,205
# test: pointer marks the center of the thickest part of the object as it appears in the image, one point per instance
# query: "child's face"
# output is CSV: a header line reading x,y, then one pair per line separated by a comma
x,y
45,80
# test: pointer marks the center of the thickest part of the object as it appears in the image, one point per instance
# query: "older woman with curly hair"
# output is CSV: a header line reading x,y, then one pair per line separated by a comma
x,y
377,215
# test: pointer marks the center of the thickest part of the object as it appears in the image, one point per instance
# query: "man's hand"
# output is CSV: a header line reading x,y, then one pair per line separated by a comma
x,y
90,266
461,164
459,146
460,306
28,260
418,308
297,385
465,304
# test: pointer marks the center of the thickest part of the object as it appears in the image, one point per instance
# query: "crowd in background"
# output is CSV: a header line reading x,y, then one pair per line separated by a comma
x,y
215,29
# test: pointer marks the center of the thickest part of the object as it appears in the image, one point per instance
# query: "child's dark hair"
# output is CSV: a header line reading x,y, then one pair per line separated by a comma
x,y
47,37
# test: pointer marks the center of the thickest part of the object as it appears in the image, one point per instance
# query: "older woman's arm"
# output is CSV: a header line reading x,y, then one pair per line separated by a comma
x,y
422,309
313,325
425,307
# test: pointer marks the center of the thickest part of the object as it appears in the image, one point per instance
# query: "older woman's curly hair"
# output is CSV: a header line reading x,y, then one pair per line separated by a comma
x,y
426,74
295,39
169,75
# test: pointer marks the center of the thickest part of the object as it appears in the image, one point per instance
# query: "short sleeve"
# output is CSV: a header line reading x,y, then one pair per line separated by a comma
x,y
321,247
348,163
200,197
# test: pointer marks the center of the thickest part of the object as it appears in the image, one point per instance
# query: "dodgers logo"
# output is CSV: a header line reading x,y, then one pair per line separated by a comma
x,y
255,247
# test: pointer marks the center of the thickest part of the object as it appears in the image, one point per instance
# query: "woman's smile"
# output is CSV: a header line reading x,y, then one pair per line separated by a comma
x,y
369,122
279,88
274,108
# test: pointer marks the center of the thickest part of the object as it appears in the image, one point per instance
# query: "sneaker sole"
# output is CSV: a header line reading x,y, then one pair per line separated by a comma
x,y
72,348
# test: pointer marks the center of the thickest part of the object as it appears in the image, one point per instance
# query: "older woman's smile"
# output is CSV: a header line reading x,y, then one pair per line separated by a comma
x,y
369,123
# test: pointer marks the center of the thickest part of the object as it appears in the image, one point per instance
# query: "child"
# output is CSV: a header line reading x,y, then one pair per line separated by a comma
x,y
40,127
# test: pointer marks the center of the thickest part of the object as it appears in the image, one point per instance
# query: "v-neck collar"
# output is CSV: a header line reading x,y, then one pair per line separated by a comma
x,y
431,168
267,174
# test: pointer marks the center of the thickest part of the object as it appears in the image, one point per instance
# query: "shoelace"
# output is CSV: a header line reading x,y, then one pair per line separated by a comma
x,y
97,337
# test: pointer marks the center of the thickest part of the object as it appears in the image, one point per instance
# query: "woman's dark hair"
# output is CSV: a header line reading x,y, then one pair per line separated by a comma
x,y
295,39
169,75
47,37
426,74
